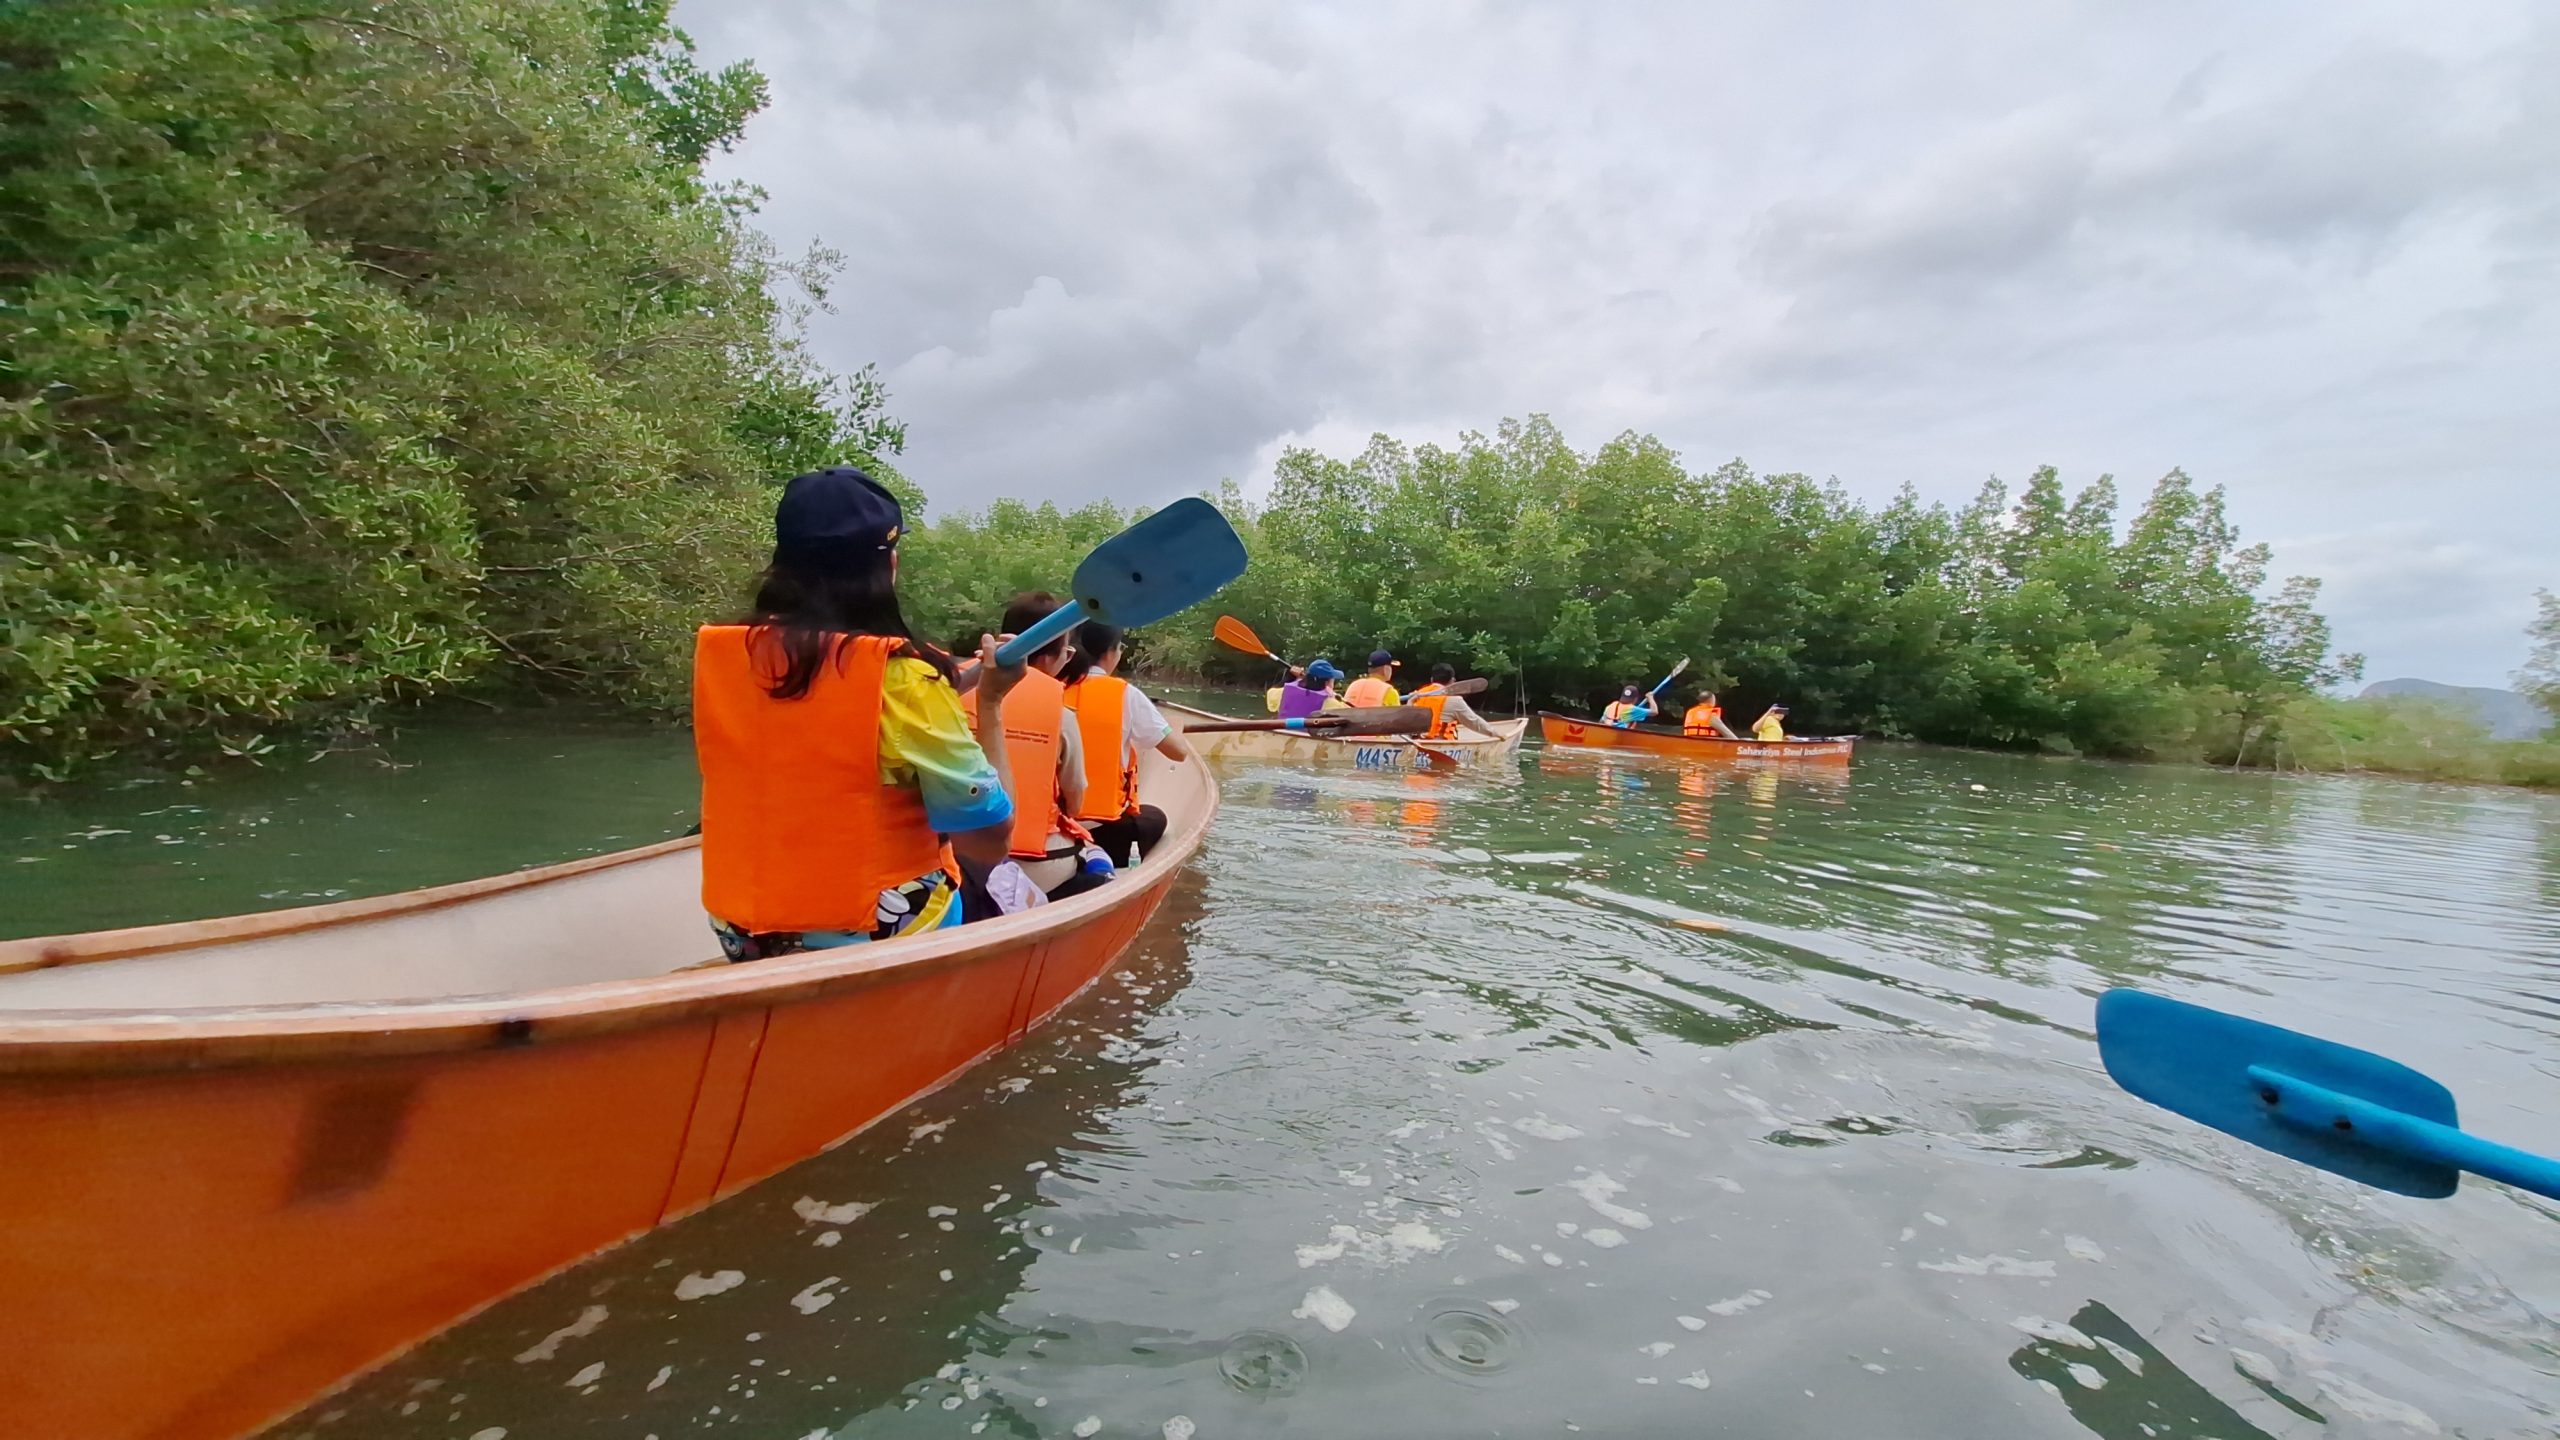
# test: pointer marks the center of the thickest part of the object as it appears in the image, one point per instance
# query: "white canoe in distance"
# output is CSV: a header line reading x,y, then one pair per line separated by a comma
x,y
1366,752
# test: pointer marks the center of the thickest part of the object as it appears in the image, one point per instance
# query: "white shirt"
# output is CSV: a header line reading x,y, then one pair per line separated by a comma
x,y
1142,725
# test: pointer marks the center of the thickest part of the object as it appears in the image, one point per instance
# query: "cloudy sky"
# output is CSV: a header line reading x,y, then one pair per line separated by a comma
x,y
2309,252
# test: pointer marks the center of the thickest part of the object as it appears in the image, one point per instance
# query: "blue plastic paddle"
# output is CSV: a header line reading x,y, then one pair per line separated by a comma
x,y
1644,707
1168,562
2348,1111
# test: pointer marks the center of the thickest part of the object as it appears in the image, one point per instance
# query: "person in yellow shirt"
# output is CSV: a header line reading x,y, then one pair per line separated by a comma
x,y
1706,719
1377,687
1771,727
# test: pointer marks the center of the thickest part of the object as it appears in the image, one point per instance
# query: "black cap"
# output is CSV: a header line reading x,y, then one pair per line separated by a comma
x,y
1381,657
838,518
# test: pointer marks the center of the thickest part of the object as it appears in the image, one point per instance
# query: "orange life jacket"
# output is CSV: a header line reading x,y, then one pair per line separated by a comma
x,y
1032,726
1701,719
1101,703
1430,698
798,830
1366,692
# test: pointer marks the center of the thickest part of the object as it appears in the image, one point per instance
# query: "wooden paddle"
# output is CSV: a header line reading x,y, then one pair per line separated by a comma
x,y
1476,686
1380,720
1237,635
2348,1111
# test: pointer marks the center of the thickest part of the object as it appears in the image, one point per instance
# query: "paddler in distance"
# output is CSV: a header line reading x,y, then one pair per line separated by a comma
x,y
1310,692
1376,688
1045,751
843,785
1624,710
1771,727
1119,723
1706,719
1448,712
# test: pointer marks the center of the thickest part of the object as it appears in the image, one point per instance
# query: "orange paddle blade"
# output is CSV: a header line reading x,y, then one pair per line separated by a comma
x,y
1237,635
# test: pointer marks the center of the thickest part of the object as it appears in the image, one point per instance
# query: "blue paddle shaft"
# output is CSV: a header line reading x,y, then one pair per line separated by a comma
x,y
2303,1105
1021,647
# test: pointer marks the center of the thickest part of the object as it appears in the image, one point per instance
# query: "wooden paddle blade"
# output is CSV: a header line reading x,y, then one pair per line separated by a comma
x,y
2196,1062
1237,635
1168,562
1475,686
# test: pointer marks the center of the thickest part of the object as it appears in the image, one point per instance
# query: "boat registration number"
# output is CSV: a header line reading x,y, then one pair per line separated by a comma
x,y
1382,757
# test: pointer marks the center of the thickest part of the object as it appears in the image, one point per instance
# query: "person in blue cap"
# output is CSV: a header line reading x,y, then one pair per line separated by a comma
x,y
1310,692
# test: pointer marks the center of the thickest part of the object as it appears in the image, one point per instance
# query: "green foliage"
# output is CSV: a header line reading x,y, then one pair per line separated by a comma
x,y
2409,735
2540,677
2037,622
350,351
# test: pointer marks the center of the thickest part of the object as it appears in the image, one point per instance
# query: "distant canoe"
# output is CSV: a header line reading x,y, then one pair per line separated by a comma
x,y
1599,735
250,1158
1367,752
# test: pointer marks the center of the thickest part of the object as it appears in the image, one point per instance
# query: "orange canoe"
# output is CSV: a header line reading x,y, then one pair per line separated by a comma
x,y
1598,735
247,1159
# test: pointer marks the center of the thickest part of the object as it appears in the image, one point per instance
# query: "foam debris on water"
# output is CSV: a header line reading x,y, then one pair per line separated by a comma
x,y
665,1373
2254,1365
1695,1380
2087,1377
1539,1127
696,1286
1502,1307
1690,1322
2081,1247
819,1212
2053,1330
578,1329
816,1297
1604,1237
1596,1189
1179,1428
2128,1359
1088,1427
2356,1400
1507,1253
2011,1266
1739,1303
827,1238
1326,1308
1657,1349
587,1376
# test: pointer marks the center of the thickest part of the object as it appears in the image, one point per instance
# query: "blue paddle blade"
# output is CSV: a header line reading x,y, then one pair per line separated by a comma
x,y
2196,1062
1168,562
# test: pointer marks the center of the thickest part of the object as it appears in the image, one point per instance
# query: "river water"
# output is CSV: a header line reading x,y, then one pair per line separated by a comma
x,y
1582,1096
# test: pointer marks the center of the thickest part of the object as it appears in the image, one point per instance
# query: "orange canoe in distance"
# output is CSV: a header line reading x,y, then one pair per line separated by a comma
x,y
1599,735
249,1158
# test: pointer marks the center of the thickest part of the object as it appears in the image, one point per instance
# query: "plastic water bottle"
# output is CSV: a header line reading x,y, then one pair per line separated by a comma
x,y
1133,856
1096,863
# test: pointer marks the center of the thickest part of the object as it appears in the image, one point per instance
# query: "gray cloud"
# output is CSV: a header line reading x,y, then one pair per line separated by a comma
x,y
2306,251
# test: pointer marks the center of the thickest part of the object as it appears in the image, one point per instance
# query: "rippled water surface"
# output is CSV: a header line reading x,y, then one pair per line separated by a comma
x,y
1584,1095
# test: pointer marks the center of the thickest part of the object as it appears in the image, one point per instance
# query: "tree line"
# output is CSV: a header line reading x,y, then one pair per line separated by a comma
x,y
2038,618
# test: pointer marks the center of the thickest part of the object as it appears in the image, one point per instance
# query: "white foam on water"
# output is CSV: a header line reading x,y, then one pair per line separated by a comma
x,y
665,1373
494,1432
936,1212
2124,1357
1552,1258
1075,1245
1567,1229
828,1238
2285,1337
1595,1190
1690,1322
2053,1330
578,1329
816,1298
1729,1186
2081,1247
2049,1388
970,1389
1502,1307
1310,1256
2363,1404
1933,1219
946,1277
1088,1427
1648,1379
1604,1237
1907,1234
1493,1137
1405,1131
588,1376
1657,1349
1695,1380
696,1286
1665,1126
1539,1127
2087,1377
950,1402
1739,1303
1326,1309
950,1371
2010,1266
1179,1428
2254,1365
1016,1085
1507,1253
819,1212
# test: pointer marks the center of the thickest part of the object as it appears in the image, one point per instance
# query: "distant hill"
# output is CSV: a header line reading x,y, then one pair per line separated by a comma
x,y
2508,715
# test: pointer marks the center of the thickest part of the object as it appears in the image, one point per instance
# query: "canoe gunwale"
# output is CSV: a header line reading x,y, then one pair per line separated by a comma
x,y
124,1040
1461,744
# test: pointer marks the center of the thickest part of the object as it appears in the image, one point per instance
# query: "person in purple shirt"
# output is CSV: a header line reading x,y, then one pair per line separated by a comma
x,y
1308,693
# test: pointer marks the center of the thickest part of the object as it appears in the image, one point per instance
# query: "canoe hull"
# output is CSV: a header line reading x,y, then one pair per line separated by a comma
x,y
1594,735
208,1230
1371,752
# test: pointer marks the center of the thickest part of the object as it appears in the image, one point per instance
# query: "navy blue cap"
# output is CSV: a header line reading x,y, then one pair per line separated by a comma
x,y
836,518
1381,657
1322,670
